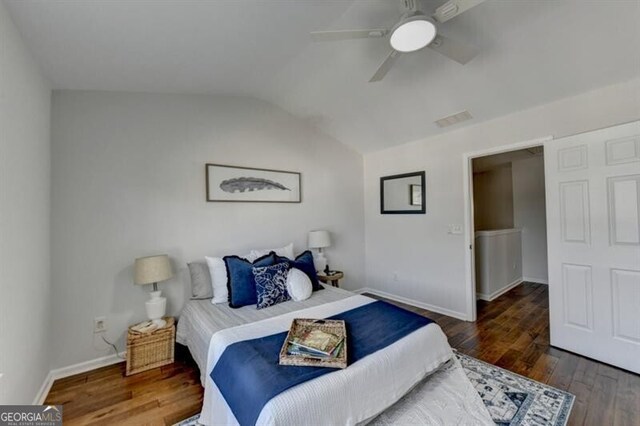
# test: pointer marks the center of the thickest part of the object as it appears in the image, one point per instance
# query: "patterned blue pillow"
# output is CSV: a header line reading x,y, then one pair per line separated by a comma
x,y
271,284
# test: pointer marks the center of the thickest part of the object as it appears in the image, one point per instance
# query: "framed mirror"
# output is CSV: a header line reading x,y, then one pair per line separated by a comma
x,y
403,194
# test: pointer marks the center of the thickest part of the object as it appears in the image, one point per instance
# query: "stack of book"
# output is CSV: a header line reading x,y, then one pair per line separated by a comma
x,y
316,343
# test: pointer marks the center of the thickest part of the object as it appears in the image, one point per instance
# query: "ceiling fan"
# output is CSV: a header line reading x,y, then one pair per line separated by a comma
x,y
414,31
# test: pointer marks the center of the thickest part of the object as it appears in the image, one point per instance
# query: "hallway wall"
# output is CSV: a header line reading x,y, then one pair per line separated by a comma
x,y
529,214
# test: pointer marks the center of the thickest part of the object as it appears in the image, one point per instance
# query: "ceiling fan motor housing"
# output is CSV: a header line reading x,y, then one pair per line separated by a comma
x,y
415,31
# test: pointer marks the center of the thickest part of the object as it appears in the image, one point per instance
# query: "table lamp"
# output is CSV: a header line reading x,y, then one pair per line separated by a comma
x,y
319,240
151,270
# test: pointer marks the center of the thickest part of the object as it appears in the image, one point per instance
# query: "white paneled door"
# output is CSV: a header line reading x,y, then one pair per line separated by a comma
x,y
593,233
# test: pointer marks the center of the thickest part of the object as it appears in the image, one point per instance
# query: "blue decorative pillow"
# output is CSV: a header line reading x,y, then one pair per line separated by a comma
x,y
271,284
240,282
304,262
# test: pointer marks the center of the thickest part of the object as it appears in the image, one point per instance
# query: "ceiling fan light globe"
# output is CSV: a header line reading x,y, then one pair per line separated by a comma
x,y
412,34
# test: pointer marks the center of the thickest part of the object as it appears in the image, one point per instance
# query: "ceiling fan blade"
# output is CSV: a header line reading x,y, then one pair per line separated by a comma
x,y
384,68
453,8
456,50
347,34
409,6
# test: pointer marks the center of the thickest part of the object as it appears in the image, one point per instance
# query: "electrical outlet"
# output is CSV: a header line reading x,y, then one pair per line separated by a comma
x,y
99,324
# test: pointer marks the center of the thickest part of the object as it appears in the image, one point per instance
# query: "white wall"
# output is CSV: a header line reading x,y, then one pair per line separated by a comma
x,y
430,263
529,214
25,100
128,181
493,198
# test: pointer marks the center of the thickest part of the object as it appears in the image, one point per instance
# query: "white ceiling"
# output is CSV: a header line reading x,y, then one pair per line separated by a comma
x,y
532,52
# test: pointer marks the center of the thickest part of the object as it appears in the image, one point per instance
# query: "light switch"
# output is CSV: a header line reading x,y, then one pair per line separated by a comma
x,y
455,229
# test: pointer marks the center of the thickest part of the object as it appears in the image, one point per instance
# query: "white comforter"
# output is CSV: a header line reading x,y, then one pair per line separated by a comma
x,y
345,397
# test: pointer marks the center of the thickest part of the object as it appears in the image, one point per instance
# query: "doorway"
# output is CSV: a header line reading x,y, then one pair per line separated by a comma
x,y
509,221
469,221
592,188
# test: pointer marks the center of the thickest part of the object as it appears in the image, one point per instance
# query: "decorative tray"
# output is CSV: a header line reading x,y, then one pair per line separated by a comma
x,y
302,326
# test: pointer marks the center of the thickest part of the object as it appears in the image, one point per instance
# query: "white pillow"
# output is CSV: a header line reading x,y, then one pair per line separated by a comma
x,y
218,272
286,251
298,285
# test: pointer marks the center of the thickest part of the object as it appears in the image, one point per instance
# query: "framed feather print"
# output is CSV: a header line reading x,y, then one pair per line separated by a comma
x,y
246,184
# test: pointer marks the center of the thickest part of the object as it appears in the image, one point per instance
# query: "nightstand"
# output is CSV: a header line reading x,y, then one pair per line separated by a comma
x,y
147,350
333,278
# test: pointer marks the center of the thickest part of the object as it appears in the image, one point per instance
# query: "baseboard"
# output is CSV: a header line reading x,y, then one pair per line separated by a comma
x,y
70,370
44,390
496,294
535,280
412,302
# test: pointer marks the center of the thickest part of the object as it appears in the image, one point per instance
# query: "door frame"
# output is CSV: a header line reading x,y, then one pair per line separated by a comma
x,y
469,240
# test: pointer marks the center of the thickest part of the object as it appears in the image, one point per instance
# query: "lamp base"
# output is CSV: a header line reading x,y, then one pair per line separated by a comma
x,y
320,262
156,307
159,322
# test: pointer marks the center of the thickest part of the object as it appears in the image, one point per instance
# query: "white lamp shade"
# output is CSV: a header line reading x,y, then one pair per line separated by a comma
x,y
152,269
319,239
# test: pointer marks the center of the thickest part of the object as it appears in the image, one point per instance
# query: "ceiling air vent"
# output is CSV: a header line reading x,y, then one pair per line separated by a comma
x,y
454,119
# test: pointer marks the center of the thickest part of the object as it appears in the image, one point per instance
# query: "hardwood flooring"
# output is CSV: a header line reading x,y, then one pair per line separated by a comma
x,y
511,332
162,396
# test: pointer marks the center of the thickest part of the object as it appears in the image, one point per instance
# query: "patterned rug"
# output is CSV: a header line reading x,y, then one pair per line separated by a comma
x,y
515,400
511,399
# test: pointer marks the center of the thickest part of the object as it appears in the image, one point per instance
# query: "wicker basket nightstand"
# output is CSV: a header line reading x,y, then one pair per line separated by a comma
x,y
150,350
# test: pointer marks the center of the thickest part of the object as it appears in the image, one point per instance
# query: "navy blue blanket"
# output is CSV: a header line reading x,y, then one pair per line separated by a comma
x,y
248,373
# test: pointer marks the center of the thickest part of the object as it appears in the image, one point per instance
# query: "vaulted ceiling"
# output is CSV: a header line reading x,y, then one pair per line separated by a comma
x,y
531,52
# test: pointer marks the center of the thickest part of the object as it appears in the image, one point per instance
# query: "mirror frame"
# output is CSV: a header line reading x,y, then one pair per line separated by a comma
x,y
422,209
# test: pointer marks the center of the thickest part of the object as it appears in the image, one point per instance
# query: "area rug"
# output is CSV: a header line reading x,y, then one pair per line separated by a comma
x,y
511,399
516,400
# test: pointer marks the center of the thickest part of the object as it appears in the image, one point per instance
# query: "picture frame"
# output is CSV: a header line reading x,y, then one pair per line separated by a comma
x,y
229,184
415,195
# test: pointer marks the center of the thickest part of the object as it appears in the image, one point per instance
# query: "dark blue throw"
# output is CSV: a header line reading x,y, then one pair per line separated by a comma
x,y
248,373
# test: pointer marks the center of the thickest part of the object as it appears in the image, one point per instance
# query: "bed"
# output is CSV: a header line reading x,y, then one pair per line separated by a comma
x,y
200,320
391,377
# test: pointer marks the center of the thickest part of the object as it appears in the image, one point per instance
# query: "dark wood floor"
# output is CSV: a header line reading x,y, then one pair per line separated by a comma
x,y
511,332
